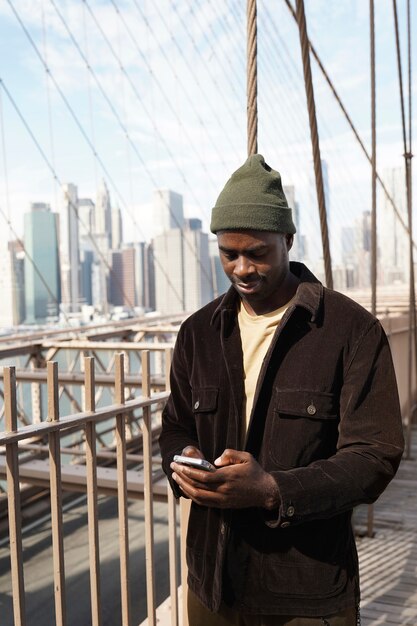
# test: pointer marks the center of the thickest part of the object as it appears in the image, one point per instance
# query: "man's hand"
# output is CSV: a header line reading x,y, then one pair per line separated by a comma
x,y
193,452
238,483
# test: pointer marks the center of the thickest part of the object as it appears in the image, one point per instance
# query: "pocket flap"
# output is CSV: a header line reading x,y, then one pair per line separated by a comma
x,y
304,403
204,399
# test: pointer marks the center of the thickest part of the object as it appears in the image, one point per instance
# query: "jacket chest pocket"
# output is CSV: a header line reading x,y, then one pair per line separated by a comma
x,y
304,427
205,410
204,400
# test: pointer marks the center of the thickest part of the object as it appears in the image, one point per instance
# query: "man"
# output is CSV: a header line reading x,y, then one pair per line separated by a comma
x,y
289,389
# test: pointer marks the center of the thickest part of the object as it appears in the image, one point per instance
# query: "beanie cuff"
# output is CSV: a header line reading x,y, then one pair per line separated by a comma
x,y
252,216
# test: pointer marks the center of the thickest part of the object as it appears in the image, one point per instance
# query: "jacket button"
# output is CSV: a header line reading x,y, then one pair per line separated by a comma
x,y
285,524
290,511
311,409
196,405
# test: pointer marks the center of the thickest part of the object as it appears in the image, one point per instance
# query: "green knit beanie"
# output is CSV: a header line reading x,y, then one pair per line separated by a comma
x,y
253,199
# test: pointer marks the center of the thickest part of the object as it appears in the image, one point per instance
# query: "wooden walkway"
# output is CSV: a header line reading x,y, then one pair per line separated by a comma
x,y
388,561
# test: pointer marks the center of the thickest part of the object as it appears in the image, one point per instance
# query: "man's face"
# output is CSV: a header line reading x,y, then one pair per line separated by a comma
x,y
257,264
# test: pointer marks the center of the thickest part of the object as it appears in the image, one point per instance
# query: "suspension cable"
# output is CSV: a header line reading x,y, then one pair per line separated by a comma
x,y
88,141
373,156
412,345
351,124
252,78
314,141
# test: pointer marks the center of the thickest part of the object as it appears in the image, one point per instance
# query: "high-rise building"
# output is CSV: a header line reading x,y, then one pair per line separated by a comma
x,y
169,271
295,252
103,221
350,241
168,210
348,244
392,236
309,253
86,211
183,280
198,281
42,289
144,279
220,281
69,249
149,278
18,260
122,277
87,249
99,288
86,275
12,309
116,228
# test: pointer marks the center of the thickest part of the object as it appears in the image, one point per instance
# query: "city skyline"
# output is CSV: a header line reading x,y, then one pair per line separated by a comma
x,y
96,271
149,118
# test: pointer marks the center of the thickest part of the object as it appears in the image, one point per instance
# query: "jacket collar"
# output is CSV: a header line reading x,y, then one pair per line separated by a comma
x,y
309,295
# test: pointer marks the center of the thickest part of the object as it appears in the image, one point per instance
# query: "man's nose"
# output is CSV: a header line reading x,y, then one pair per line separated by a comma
x,y
243,266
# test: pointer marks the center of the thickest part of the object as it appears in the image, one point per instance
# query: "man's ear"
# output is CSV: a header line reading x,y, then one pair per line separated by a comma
x,y
290,240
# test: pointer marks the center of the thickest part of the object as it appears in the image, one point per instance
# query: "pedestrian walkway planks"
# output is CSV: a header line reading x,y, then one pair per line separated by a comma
x,y
388,561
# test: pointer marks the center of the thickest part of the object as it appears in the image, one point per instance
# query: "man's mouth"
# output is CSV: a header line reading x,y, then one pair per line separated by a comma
x,y
249,287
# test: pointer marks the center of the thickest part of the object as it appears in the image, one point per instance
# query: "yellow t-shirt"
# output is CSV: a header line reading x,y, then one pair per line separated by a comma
x,y
256,332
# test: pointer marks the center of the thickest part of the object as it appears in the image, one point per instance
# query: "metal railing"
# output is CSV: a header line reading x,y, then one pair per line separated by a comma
x,y
14,441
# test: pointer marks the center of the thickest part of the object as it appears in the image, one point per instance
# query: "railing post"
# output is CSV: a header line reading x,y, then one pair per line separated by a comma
x,y
56,495
185,507
36,394
122,490
13,498
172,524
92,492
148,490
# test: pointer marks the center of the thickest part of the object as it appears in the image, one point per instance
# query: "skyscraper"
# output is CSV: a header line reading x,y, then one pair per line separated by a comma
x,y
116,228
12,309
289,191
392,236
220,281
103,221
69,249
167,210
86,213
42,291
122,277
183,279
141,273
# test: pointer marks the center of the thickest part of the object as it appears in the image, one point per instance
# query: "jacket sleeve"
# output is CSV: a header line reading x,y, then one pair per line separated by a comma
x,y
370,442
178,426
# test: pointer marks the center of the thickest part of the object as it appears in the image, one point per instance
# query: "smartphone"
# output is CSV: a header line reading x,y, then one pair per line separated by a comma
x,y
193,462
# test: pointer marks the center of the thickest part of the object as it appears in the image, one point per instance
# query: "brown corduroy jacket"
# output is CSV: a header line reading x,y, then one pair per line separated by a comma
x,y
325,423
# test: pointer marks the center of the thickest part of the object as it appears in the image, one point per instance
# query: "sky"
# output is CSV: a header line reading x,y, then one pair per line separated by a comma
x,y
150,94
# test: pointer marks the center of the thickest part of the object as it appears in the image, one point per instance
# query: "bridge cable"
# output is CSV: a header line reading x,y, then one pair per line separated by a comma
x,y
121,124
351,124
373,159
70,202
301,20
252,78
370,512
85,136
412,346
195,76
278,46
215,52
7,218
